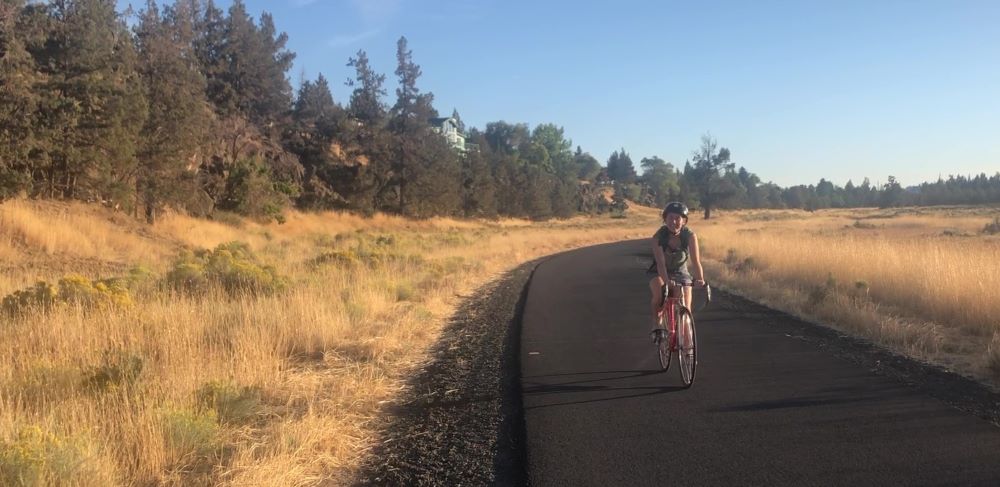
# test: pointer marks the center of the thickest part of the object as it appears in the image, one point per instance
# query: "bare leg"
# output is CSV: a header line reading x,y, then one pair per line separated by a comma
x,y
656,301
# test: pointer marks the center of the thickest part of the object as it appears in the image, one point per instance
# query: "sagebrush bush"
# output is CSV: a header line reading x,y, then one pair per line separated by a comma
x,y
229,403
117,368
371,258
993,227
37,457
819,294
190,433
231,266
40,296
75,289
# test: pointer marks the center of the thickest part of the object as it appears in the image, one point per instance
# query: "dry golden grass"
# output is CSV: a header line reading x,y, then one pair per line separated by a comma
x,y
215,388
920,280
70,229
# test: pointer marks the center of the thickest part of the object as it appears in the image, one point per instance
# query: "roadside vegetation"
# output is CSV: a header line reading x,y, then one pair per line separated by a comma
x,y
198,352
922,281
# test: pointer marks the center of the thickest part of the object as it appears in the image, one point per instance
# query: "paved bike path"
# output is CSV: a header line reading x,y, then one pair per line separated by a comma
x,y
767,408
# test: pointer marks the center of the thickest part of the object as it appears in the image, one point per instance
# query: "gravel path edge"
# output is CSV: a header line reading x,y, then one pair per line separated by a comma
x,y
460,420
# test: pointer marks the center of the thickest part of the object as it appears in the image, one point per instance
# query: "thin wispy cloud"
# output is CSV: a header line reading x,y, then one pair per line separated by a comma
x,y
347,40
456,12
377,12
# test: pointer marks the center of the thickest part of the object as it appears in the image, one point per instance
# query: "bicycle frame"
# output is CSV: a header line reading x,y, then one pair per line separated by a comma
x,y
669,313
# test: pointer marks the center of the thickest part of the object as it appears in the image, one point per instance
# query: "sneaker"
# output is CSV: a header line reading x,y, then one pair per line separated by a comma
x,y
656,335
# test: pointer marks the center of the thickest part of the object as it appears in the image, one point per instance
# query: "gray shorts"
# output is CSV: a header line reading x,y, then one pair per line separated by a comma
x,y
682,277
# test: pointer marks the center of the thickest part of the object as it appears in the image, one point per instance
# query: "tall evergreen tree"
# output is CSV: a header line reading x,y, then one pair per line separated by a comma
x,y
367,139
256,63
18,102
661,179
458,120
505,137
179,115
93,107
316,121
479,194
620,167
426,170
708,175
565,192
209,25
366,104
587,165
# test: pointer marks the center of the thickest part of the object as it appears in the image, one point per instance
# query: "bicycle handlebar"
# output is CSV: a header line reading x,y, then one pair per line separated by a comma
x,y
706,287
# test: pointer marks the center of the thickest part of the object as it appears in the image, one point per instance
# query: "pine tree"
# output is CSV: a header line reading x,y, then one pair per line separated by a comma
x,y
178,111
256,64
620,167
18,102
370,174
478,186
316,121
209,46
710,175
426,172
93,105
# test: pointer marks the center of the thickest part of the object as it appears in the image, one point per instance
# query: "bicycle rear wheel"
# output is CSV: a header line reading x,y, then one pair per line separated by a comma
x,y
687,346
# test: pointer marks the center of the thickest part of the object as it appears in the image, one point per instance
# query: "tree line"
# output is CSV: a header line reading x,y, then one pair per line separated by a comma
x,y
191,108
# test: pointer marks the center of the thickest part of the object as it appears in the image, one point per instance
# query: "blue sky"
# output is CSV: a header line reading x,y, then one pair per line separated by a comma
x,y
797,90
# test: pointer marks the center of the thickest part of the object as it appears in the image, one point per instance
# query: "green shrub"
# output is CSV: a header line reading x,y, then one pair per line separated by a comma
x,y
819,294
405,292
188,432
448,266
370,258
228,218
38,457
993,227
231,266
385,240
454,238
340,258
40,296
229,403
117,368
731,257
744,264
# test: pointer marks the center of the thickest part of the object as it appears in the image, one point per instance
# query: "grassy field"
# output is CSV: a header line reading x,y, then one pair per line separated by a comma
x,y
169,355
166,355
925,282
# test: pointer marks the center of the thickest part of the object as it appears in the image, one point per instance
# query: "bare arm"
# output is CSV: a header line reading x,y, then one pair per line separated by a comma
x,y
661,266
699,273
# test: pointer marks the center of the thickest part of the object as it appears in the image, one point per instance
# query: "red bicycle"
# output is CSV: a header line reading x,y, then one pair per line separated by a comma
x,y
675,332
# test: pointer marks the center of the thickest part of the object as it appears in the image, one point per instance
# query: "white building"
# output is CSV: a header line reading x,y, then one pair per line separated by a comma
x,y
448,127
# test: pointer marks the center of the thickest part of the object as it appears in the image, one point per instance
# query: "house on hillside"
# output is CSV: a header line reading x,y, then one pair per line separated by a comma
x,y
448,127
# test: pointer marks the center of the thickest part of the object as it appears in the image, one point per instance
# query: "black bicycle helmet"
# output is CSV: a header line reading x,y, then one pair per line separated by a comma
x,y
676,207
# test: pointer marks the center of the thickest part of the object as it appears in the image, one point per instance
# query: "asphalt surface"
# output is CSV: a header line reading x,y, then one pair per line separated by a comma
x,y
771,405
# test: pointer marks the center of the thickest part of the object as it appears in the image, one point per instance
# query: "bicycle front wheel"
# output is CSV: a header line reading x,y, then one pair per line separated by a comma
x,y
687,346
663,348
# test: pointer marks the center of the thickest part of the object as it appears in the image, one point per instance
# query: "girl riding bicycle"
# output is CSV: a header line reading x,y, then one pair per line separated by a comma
x,y
674,244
